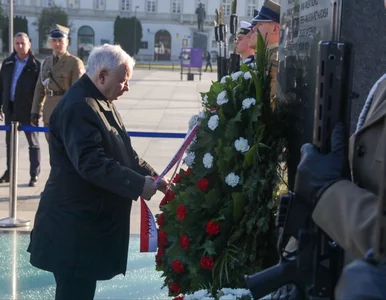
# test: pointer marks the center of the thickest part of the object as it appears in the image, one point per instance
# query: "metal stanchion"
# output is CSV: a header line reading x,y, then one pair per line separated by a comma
x,y
12,221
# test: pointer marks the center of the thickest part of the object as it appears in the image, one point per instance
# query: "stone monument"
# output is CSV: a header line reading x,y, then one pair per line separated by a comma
x,y
304,23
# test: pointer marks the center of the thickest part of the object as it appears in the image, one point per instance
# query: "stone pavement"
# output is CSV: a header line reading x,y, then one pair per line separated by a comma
x,y
158,101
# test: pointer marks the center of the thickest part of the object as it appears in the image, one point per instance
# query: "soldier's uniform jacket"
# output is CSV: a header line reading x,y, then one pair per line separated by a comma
x,y
273,56
348,210
54,81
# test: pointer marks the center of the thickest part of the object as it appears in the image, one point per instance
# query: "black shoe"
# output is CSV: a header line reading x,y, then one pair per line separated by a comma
x,y
5,177
33,181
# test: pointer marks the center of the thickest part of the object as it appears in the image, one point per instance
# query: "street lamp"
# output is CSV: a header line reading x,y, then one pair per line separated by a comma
x,y
135,29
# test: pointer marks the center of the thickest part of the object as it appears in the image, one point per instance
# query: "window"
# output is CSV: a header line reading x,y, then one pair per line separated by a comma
x,y
74,4
176,6
126,5
227,7
100,4
251,6
151,6
48,3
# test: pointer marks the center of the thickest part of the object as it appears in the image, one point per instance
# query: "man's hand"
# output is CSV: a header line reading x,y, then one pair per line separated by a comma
x,y
35,119
162,186
149,188
316,172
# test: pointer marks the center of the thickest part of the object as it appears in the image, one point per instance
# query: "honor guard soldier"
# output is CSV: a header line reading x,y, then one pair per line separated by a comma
x,y
247,54
58,73
268,24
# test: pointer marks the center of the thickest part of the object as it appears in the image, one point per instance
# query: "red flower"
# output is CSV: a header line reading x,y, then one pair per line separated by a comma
x,y
177,266
158,257
161,220
174,288
203,184
177,178
169,196
207,263
212,228
162,236
184,241
179,298
181,212
187,172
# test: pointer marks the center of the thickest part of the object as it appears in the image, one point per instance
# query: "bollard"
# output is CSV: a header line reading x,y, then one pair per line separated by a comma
x,y
12,220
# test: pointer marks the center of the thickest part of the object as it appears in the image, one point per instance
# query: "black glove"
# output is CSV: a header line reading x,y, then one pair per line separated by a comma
x,y
287,292
316,171
35,119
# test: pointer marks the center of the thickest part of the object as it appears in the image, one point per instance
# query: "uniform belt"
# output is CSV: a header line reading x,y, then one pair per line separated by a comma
x,y
52,93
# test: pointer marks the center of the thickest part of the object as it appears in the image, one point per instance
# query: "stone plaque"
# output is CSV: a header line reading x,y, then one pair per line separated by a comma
x,y
304,23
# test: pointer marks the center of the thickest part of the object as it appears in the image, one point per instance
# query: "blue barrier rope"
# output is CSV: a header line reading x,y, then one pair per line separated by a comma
x,y
170,135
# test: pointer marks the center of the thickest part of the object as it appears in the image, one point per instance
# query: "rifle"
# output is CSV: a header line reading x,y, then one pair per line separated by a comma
x,y
234,60
220,31
316,264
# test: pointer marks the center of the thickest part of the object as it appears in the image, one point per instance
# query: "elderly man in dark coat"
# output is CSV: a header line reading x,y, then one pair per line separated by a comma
x,y
82,225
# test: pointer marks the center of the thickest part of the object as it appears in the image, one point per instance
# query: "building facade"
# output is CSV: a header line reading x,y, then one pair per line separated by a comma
x,y
167,25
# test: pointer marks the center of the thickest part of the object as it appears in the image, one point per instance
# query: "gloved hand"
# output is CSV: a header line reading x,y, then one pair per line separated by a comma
x,y
287,292
316,171
35,119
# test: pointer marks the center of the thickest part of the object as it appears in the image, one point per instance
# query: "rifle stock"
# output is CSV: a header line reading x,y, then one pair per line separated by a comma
x,y
316,264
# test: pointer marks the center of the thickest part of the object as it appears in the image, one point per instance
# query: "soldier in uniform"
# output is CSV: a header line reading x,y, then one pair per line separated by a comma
x,y
267,22
242,43
58,73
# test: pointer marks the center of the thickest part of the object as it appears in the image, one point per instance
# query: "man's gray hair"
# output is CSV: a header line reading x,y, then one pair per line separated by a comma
x,y
23,34
107,57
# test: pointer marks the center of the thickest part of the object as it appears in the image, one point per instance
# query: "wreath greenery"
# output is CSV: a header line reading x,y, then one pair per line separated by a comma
x,y
217,221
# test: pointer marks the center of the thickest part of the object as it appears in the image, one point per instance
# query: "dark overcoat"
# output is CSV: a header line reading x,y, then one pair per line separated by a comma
x,y
25,87
82,223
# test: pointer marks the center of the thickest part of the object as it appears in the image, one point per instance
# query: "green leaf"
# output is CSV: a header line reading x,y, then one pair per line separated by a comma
x,y
250,157
217,87
208,246
238,206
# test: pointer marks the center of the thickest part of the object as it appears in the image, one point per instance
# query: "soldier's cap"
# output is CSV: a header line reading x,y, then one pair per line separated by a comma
x,y
270,12
60,32
245,27
255,14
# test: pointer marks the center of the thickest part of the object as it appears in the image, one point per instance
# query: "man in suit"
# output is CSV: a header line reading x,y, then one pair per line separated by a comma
x,y
58,73
18,76
242,43
82,225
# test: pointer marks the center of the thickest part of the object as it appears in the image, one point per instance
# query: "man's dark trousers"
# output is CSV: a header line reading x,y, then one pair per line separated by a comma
x,y
33,143
71,288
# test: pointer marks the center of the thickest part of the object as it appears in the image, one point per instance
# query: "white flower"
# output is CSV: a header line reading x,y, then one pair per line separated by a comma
x,y
222,98
241,145
252,65
208,160
228,297
236,75
205,99
232,179
247,75
223,80
213,122
236,292
189,159
248,102
200,294
201,115
193,121
208,298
